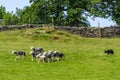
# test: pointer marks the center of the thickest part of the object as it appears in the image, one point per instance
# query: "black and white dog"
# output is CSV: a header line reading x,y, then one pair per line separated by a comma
x,y
109,51
18,53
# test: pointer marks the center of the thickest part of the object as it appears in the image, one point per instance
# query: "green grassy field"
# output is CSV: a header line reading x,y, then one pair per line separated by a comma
x,y
85,58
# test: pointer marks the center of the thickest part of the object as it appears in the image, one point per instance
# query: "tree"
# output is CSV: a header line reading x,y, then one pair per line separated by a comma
x,y
73,12
10,19
29,15
2,11
107,9
6,19
114,10
76,13
61,12
14,20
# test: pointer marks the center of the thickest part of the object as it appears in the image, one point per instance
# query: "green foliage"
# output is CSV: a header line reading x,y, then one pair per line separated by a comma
x,y
29,15
18,12
115,11
2,11
107,9
9,19
59,12
64,12
6,19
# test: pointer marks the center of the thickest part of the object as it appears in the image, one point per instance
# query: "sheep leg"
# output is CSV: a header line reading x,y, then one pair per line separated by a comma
x,y
32,59
53,58
43,60
48,60
38,60
22,57
16,57
58,59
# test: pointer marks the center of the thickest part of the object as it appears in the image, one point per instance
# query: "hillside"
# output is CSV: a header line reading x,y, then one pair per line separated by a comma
x,y
84,60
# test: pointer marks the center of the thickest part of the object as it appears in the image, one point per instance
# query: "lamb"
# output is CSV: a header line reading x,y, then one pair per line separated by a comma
x,y
109,51
18,53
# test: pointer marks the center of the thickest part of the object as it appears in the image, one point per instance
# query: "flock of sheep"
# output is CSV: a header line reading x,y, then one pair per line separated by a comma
x,y
38,53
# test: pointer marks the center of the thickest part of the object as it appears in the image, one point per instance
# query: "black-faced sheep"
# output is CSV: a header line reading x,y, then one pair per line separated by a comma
x,y
37,49
34,54
58,55
18,53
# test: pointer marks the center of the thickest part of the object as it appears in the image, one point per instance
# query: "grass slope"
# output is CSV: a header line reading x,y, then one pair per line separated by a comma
x,y
85,59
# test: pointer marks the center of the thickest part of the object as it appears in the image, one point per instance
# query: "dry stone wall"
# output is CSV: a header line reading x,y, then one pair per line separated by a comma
x,y
90,32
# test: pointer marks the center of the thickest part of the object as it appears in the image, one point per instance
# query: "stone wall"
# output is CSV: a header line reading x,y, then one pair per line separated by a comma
x,y
18,27
91,32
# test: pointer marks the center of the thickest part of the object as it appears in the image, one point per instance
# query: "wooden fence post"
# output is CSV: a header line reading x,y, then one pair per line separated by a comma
x,y
99,30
